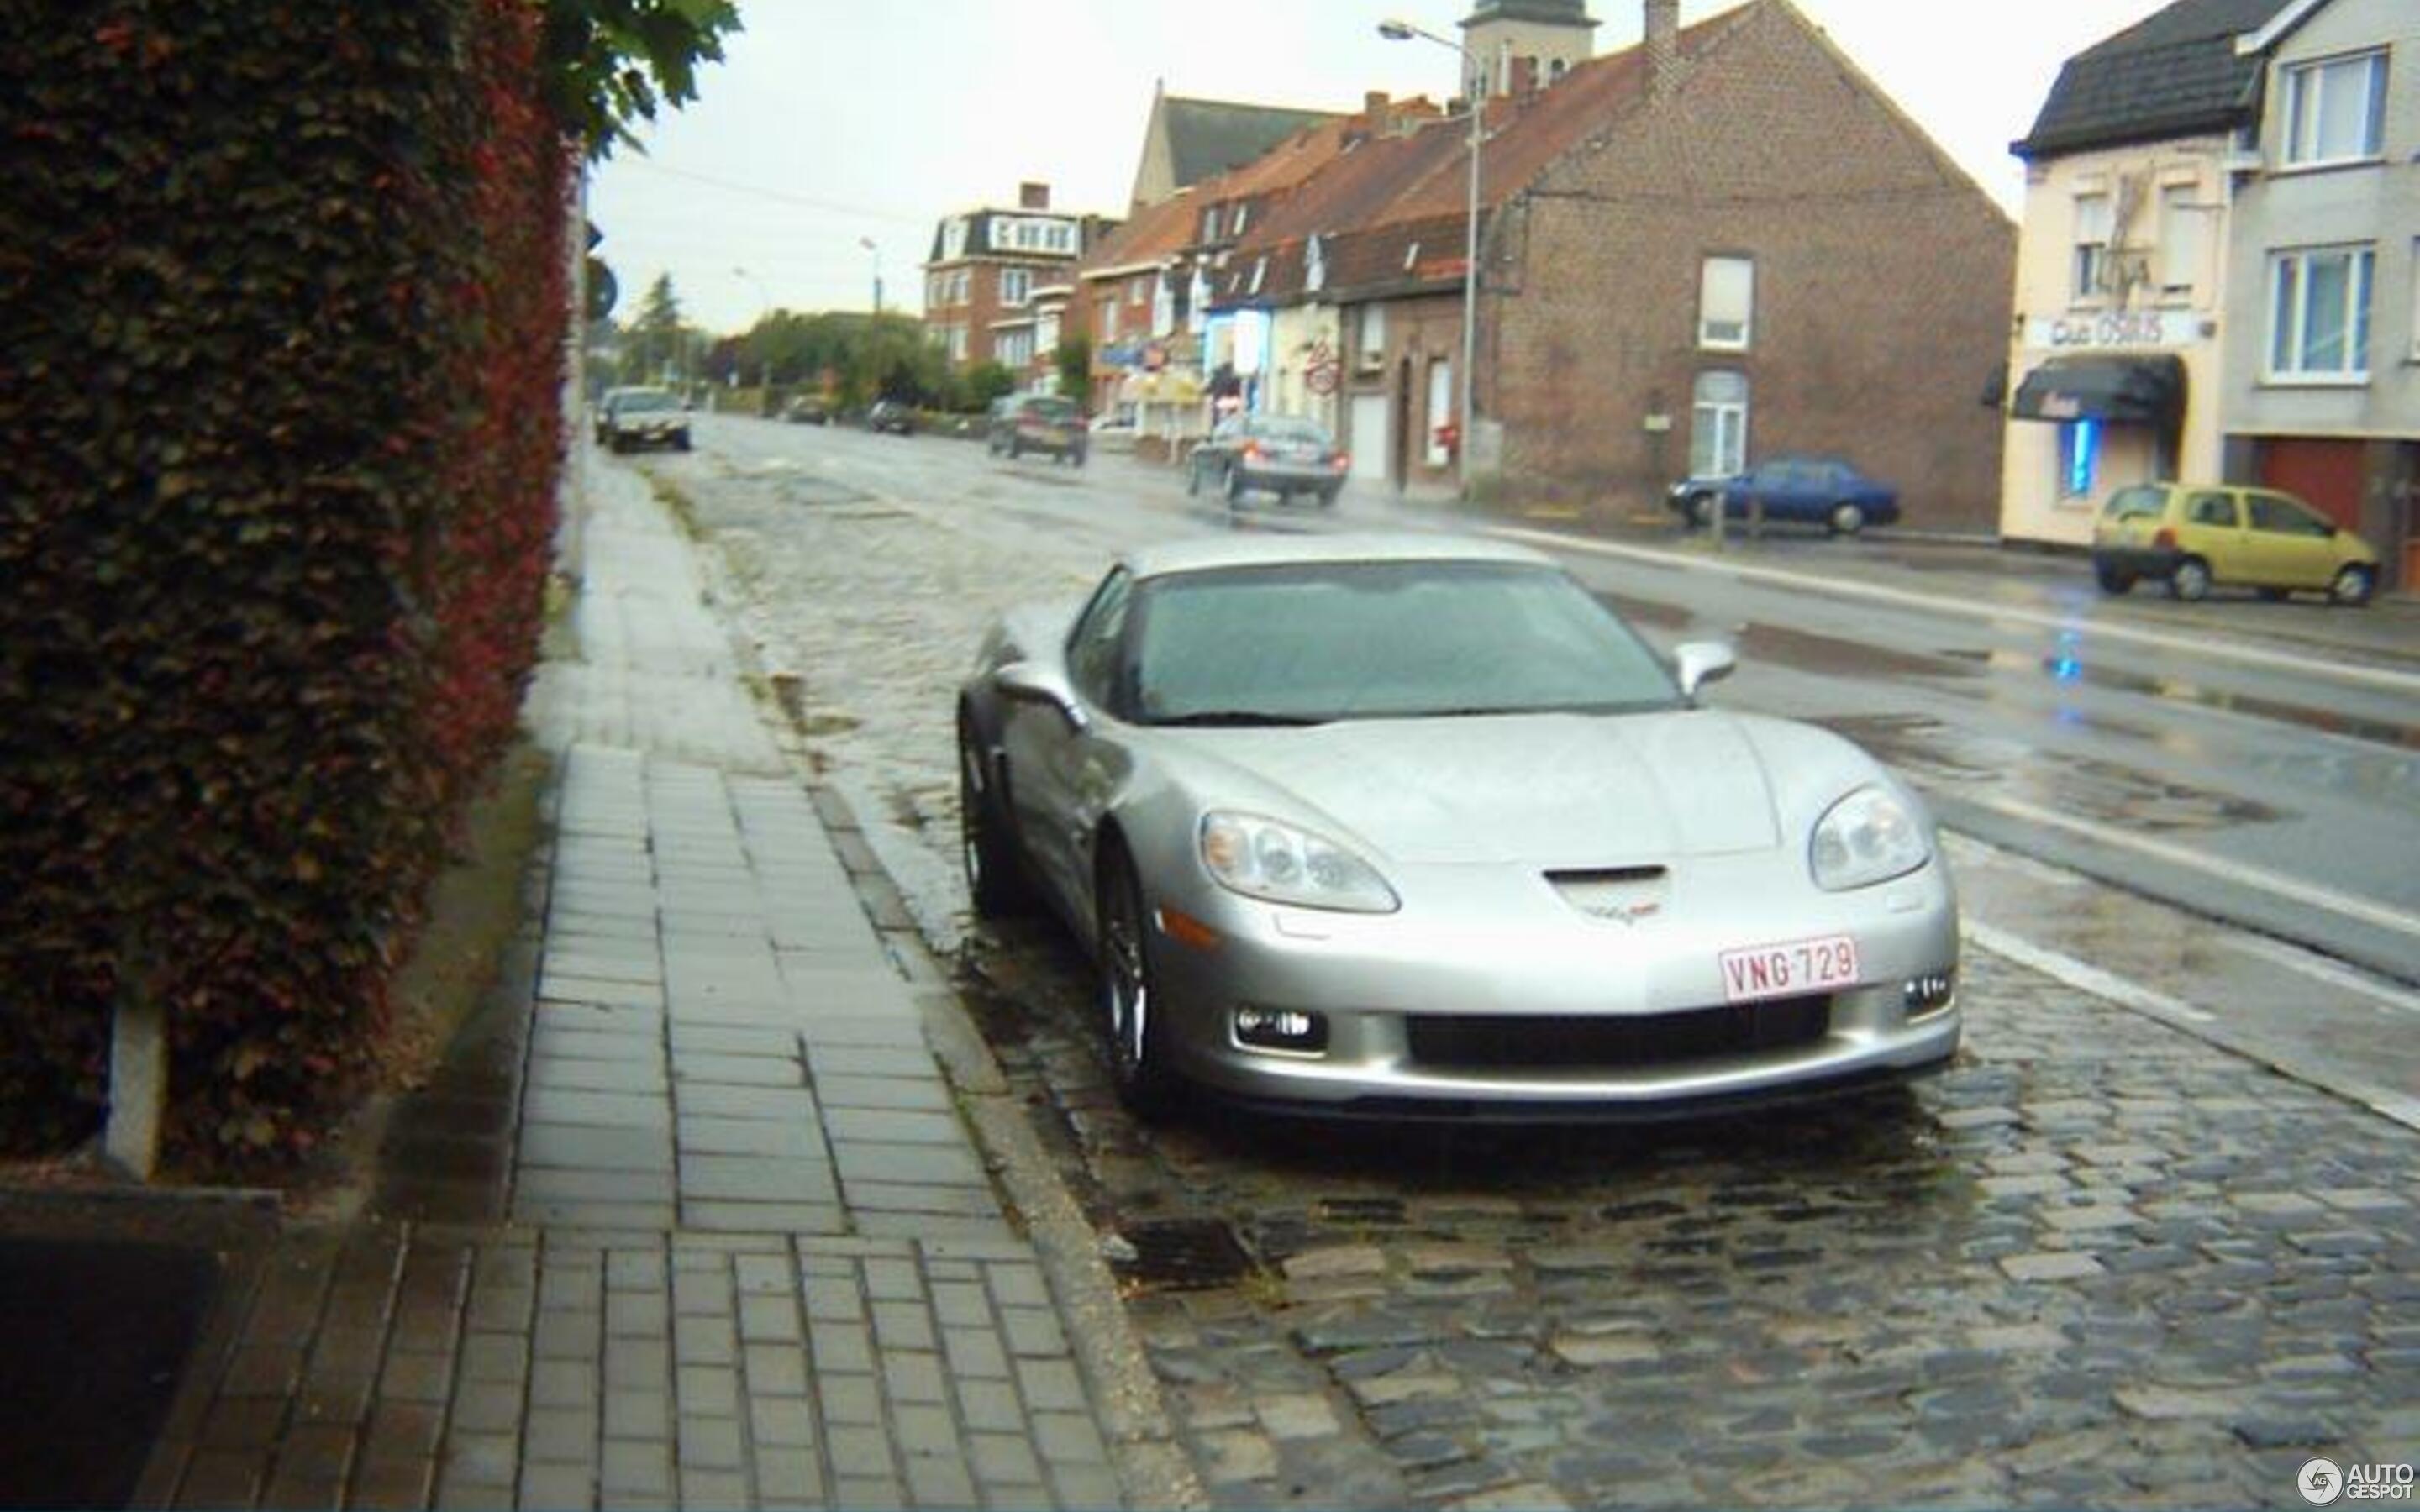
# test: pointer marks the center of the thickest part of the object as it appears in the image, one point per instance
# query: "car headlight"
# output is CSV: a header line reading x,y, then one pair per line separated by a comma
x,y
1871,836
1280,864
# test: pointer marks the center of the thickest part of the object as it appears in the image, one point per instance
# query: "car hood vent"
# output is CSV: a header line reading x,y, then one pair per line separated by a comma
x,y
1624,894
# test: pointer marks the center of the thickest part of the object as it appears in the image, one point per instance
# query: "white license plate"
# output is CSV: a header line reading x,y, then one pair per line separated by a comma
x,y
1791,970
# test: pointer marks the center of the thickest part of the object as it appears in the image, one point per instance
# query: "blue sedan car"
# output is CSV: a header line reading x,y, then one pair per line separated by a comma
x,y
1807,490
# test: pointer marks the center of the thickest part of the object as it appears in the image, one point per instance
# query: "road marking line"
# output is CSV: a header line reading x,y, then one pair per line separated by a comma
x,y
2294,957
2302,665
2277,883
2082,976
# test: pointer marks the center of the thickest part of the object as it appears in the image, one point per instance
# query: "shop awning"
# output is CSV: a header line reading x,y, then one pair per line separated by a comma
x,y
2144,390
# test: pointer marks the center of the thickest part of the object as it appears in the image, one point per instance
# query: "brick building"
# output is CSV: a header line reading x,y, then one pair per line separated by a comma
x,y
1721,243
986,268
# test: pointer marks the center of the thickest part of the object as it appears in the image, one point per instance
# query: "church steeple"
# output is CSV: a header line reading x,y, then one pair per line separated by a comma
x,y
1528,44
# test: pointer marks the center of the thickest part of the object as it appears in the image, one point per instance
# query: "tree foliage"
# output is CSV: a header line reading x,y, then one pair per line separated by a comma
x,y
608,62
284,288
1075,358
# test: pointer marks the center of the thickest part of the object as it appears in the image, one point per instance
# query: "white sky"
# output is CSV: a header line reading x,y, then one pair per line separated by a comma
x,y
833,122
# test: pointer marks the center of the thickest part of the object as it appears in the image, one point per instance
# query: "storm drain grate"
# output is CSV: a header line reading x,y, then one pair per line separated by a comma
x,y
1179,1255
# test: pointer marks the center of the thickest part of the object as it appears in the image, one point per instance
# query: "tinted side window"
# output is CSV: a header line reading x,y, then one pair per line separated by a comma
x,y
2213,509
1095,645
2274,512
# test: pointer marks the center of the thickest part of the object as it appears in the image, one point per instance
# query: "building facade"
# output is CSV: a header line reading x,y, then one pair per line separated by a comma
x,y
2320,390
987,266
2123,319
1722,243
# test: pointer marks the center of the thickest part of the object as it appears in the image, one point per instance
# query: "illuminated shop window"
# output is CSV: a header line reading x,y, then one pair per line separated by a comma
x,y
2079,458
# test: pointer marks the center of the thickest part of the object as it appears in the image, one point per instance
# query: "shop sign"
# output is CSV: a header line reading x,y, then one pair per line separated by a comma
x,y
2116,328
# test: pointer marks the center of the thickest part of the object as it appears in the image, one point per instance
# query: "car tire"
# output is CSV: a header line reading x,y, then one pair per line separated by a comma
x,y
1847,518
1702,511
1327,497
1075,459
995,876
2353,586
1134,1037
2112,581
2189,582
680,443
1234,485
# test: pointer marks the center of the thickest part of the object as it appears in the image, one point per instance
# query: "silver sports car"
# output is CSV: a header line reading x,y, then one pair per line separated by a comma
x,y
1416,828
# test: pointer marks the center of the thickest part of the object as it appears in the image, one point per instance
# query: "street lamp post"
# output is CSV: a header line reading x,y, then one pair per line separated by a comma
x,y
868,243
765,356
1476,90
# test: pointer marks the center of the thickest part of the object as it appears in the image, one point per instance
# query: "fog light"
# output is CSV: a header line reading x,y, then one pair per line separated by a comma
x,y
1280,1029
1928,995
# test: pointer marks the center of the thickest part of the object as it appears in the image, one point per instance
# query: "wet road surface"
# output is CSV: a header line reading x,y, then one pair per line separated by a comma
x,y
2102,1260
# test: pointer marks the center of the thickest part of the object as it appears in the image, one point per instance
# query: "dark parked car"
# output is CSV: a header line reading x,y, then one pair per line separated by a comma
x,y
638,418
892,416
1039,423
1281,454
601,416
1805,490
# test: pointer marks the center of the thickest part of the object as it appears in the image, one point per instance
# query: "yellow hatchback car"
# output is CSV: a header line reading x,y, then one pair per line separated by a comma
x,y
2193,535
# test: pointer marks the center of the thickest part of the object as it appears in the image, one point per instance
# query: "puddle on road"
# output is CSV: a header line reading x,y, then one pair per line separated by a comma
x,y
2065,666
2081,786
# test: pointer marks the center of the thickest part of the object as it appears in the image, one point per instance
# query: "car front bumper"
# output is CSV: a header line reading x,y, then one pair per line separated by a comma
x,y
669,433
1518,1011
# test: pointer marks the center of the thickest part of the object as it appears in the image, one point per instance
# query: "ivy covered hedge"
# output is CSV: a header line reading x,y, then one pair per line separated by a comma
x,y
283,284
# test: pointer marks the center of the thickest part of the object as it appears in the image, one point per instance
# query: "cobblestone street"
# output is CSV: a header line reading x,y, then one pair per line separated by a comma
x,y
2099,1262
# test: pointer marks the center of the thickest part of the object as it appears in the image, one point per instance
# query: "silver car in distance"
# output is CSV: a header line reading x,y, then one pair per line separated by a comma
x,y
1412,827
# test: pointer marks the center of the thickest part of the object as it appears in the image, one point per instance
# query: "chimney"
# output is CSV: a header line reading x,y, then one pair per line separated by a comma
x,y
1375,106
1663,46
1031,196
1524,76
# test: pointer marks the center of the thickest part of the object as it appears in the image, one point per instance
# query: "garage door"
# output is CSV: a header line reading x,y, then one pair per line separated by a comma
x,y
2328,474
1368,438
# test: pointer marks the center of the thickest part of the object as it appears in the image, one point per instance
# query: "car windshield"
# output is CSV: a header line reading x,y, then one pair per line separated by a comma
x,y
1051,410
1310,642
646,399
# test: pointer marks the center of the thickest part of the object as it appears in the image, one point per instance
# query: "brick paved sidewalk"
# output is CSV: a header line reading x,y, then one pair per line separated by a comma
x,y
745,1254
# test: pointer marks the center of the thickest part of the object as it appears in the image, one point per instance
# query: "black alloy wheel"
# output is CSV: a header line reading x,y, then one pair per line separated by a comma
x,y
1137,1066
995,880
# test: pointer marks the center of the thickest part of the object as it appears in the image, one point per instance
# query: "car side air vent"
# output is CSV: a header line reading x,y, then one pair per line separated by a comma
x,y
1624,894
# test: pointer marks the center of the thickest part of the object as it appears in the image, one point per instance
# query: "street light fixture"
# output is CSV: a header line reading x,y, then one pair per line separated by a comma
x,y
867,242
1475,88
765,356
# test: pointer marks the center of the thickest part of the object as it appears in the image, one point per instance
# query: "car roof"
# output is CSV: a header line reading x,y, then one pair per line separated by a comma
x,y
1210,553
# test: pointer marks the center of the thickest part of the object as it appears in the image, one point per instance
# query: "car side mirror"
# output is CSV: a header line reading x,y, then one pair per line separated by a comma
x,y
1023,682
1701,663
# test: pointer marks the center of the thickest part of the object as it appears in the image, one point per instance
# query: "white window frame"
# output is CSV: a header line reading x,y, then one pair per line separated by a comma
x,y
1370,345
1721,421
1725,303
2089,267
2415,299
2312,87
1016,288
2185,238
2289,334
